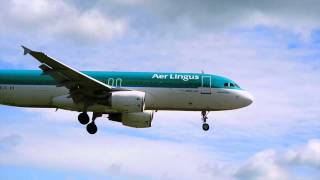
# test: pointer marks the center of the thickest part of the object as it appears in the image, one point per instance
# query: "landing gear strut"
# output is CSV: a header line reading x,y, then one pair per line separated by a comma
x,y
205,125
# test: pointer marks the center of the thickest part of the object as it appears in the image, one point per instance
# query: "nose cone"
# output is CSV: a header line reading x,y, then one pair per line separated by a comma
x,y
246,98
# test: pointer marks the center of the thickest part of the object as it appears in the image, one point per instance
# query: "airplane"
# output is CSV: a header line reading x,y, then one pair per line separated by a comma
x,y
130,98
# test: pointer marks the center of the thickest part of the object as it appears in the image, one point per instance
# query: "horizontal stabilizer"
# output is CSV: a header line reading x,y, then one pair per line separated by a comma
x,y
25,50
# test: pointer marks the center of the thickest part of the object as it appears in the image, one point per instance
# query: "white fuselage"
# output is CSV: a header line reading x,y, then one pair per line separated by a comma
x,y
184,99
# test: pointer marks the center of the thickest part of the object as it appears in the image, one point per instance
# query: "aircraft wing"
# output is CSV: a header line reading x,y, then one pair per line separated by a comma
x,y
81,86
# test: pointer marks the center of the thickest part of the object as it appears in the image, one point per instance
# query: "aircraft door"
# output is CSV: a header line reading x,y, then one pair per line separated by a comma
x,y
206,85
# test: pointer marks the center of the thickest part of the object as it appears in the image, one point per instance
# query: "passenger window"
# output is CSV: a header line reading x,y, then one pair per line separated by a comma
x,y
225,84
231,85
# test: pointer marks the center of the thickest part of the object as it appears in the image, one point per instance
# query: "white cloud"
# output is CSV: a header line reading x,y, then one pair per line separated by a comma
x,y
49,19
90,26
129,2
167,16
105,20
114,155
130,156
308,155
261,166
300,25
270,164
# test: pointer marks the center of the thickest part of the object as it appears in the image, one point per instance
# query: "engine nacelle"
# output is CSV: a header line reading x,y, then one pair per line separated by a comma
x,y
136,120
128,101
119,101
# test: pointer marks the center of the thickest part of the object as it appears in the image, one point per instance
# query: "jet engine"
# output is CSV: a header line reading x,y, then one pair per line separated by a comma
x,y
127,101
136,120
118,101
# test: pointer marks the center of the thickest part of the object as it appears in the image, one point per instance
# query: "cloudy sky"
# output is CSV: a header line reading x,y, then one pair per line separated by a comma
x,y
269,48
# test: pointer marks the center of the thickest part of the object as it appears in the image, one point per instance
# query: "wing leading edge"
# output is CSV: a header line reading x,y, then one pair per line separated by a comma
x,y
82,87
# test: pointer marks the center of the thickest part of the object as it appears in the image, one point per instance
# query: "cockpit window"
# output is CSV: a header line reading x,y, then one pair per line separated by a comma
x,y
231,85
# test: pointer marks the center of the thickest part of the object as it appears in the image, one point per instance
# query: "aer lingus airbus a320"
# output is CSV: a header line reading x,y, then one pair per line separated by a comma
x,y
127,97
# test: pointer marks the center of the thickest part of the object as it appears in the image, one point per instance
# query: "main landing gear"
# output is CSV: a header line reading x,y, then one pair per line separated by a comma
x,y
84,119
205,125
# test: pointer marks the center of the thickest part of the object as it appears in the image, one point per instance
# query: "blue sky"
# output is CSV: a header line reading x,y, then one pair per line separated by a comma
x,y
270,49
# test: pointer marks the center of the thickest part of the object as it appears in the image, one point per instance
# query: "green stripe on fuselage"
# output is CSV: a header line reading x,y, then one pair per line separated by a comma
x,y
127,79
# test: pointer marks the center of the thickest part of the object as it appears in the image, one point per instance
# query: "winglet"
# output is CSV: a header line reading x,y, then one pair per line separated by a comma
x,y
26,50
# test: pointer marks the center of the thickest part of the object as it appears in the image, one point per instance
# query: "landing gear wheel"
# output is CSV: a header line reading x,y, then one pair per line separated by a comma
x,y
205,126
83,118
92,128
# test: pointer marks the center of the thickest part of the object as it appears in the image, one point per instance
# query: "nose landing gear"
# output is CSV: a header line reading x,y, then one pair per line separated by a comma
x,y
205,125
